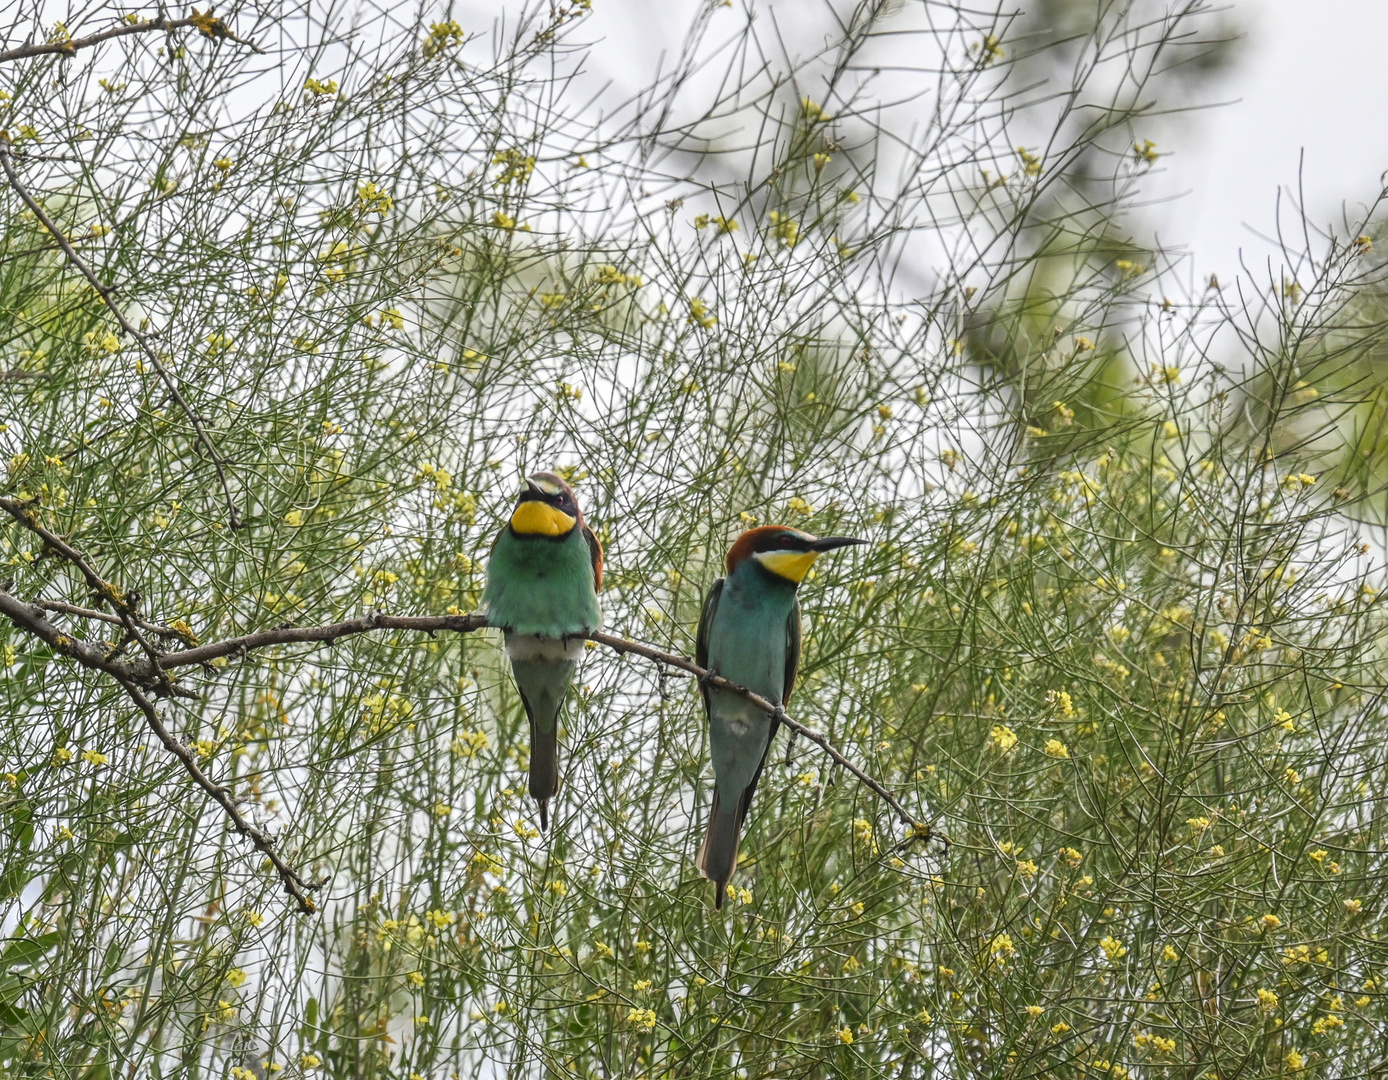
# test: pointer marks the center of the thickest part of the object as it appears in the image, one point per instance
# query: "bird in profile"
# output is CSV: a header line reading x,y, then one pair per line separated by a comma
x,y
749,633
542,588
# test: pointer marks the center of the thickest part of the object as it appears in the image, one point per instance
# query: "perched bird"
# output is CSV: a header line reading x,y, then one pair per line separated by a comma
x,y
749,634
542,589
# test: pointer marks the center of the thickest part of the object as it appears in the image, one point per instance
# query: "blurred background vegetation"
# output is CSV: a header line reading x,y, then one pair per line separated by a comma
x,y
1117,635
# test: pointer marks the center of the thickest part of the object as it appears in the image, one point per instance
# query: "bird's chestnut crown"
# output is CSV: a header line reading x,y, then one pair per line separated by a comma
x,y
785,552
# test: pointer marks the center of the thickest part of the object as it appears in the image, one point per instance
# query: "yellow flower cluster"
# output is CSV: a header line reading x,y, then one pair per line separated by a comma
x,y
1114,950
784,228
1003,737
516,167
699,314
442,35
1156,1043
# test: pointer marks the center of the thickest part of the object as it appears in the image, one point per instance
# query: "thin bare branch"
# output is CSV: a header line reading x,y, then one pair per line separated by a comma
x,y
297,635
674,660
64,608
211,27
465,624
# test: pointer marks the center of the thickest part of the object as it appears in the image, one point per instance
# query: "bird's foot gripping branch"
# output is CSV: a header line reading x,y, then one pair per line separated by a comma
x,y
150,675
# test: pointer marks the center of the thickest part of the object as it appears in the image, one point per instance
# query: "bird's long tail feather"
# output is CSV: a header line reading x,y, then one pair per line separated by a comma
x,y
717,859
544,769
542,684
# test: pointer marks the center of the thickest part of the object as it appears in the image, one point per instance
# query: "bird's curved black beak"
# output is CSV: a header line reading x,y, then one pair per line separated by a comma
x,y
532,490
829,543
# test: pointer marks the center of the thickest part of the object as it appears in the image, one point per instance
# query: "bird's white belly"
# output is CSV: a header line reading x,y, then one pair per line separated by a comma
x,y
530,647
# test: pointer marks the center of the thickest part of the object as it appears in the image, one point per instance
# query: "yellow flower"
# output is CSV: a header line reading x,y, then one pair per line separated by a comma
x,y
1033,1011
1060,1028
1271,922
440,919
1059,700
93,757
61,756
415,978
310,1061
1113,949
1267,1000
699,315
1317,856
236,977
1148,1040
1004,738
1056,749
1169,954
845,1036
784,228
442,35
1294,1060
1292,776
1002,947
442,810
1353,907
641,985
642,1019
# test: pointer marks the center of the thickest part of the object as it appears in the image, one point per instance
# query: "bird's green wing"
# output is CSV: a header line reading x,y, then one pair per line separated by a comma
x,y
705,625
792,651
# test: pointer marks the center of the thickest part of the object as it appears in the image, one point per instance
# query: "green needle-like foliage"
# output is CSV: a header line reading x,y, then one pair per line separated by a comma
x,y
1116,635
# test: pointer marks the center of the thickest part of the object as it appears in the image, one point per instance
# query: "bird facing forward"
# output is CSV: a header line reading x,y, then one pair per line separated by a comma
x,y
542,590
749,634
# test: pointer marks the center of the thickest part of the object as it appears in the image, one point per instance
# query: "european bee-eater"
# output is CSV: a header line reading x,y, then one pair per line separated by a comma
x,y
542,589
749,634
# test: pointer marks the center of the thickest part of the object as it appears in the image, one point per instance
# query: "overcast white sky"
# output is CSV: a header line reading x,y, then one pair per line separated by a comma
x,y
1309,77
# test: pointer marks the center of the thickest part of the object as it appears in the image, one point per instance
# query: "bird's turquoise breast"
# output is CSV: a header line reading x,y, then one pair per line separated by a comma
x,y
540,586
747,641
746,645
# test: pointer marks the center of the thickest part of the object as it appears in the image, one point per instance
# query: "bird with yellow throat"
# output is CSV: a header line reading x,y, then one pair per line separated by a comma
x,y
749,634
543,579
